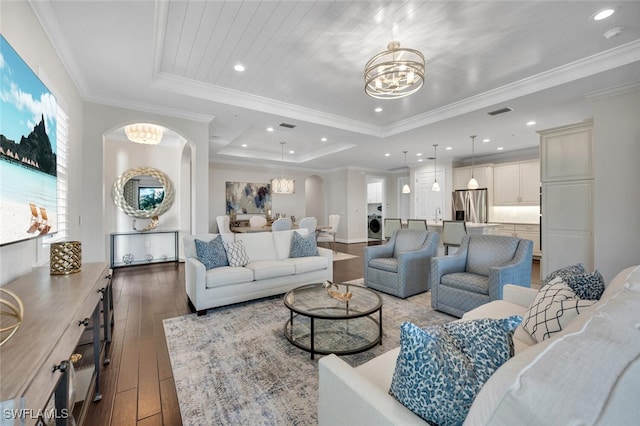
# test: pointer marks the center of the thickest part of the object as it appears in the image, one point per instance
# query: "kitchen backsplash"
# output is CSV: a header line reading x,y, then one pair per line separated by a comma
x,y
514,214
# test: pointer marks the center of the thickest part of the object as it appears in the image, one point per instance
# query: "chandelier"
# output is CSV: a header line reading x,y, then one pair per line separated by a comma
x,y
473,183
394,73
144,133
283,185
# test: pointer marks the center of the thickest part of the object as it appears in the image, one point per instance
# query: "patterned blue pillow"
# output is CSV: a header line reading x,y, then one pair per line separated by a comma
x,y
576,269
587,286
440,369
303,246
211,254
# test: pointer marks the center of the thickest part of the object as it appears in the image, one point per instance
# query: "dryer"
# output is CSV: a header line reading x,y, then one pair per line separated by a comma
x,y
374,226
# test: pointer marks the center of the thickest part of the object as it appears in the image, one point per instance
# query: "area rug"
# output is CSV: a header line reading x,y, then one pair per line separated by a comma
x,y
338,256
234,365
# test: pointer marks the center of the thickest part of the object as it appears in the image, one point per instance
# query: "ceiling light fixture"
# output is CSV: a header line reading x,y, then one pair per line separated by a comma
x,y
394,73
143,133
283,185
406,189
603,14
473,183
531,123
239,67
435,187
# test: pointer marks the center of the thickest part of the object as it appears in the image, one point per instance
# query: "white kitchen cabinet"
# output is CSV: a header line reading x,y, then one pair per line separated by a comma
x,y
567,196
374,192
482,173
516,184
525,231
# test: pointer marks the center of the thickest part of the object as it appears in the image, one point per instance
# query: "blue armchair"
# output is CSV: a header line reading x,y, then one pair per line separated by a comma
x,y
401,265
477,272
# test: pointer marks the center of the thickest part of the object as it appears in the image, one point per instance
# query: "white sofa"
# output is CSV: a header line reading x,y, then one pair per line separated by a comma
x,y
269,272
589,373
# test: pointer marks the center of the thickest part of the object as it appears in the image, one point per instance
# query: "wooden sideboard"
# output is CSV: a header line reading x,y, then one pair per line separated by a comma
x,y
58,309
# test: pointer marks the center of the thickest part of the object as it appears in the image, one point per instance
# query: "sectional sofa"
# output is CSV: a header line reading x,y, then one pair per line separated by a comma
x,y
588,373
269,271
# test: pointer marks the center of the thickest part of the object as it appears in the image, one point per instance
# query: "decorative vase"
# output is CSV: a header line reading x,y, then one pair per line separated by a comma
x,y
66,258
127,258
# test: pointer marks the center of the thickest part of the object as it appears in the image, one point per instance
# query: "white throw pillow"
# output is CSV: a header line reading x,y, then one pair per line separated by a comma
x,y
553,308
236,253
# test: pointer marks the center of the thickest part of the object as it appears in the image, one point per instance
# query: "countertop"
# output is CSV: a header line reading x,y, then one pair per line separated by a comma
x,y
438,224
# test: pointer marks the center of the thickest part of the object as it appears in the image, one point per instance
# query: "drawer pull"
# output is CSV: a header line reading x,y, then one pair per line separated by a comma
x,y
62,366
108,276
84,322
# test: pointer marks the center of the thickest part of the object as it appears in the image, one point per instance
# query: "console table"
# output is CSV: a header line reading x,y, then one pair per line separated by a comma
x,y
142,248
34,363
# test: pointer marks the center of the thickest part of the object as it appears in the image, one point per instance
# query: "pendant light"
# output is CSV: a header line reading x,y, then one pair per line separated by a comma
x,y
435,187
473,183
282,185
406,189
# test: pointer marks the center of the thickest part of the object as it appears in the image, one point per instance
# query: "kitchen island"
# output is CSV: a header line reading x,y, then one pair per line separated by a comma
x,y
472,229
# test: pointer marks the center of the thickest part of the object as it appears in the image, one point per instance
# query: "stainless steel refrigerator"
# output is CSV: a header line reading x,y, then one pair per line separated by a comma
x,y
469,205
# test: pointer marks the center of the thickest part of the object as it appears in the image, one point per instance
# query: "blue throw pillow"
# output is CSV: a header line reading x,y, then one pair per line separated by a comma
x,y
440,369
303,246
587,286
211,254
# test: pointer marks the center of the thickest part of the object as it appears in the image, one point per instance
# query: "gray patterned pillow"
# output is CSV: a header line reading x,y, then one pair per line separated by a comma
x,y
236,254
303,246
588,286
576,269
211,254
440,369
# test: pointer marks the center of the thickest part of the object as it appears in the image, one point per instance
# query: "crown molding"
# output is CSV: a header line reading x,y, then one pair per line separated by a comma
x,y
197,89
51,27
153,109
585,67
613,91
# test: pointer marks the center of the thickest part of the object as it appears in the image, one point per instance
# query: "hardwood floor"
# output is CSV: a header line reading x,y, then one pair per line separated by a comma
x,y
137,385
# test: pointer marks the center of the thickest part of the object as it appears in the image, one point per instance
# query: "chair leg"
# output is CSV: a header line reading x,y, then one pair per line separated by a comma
x,y
333,244
446,250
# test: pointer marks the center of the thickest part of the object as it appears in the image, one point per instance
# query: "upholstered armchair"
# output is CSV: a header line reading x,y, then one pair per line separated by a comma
x,y
401,265
477,272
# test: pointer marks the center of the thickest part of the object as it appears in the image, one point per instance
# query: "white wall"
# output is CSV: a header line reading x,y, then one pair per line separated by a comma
x,y
293,204
22,30
617,176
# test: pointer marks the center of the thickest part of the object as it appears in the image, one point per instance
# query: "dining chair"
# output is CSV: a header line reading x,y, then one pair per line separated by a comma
x,y
282,224
452,233
310,223
391,226
257,221
329,235
224,224
419,224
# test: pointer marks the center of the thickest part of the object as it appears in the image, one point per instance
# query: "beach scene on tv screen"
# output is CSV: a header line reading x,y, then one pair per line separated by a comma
x,y
28,147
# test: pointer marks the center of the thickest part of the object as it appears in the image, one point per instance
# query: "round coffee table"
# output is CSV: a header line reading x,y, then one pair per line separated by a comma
x,y
325,325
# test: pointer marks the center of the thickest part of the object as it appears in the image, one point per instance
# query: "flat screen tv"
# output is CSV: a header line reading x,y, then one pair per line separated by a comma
x,y
28,160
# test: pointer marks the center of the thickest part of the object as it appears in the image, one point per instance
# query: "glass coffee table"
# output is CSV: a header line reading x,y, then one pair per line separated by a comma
x,y
322,324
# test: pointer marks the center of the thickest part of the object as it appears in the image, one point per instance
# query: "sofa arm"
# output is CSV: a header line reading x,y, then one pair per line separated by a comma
x,y
348,398
195,280
329,255
522,296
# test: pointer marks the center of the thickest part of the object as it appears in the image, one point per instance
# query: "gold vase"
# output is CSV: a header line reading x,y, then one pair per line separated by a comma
x,y
66,258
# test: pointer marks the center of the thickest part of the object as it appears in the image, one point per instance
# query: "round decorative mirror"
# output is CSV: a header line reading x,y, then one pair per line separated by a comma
x,y
143,192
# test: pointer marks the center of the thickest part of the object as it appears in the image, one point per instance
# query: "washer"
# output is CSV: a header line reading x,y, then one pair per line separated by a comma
x,y
375,226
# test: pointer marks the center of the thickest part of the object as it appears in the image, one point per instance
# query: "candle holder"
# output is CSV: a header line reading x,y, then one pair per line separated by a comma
x,y
66,258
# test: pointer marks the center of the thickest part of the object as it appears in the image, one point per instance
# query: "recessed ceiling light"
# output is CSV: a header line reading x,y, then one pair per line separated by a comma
x,y
244,145
603,14
269,129
323,139
613,32
420,160
486,140
419,154
448,148
387,154
239,67
500,148
292,151
378,109
530,123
